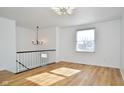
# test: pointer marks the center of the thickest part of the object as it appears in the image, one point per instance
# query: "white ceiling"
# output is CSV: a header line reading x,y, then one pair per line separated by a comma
x,y
45,17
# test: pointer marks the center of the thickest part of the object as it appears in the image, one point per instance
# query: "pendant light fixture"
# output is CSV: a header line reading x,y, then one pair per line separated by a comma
x,y
63,10
37,42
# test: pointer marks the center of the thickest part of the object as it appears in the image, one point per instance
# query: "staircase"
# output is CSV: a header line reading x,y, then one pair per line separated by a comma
x,y
27,60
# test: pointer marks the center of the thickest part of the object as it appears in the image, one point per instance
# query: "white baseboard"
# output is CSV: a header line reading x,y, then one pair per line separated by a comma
x,y
89,64
122,74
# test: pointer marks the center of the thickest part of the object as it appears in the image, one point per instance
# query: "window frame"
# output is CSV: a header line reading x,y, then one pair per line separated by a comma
x,y
94,28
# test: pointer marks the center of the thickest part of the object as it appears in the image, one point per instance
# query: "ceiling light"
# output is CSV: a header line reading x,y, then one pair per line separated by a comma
x,y
37,42
63,10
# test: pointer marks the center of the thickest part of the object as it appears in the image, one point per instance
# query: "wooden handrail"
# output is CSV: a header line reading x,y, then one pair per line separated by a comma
x,y
22,65
36,51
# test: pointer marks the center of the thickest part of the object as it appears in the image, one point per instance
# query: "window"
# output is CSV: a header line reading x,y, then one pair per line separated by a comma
x,y
85,40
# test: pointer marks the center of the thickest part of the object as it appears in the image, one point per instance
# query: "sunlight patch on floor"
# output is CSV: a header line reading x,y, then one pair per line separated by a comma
x,y
65,71
45,79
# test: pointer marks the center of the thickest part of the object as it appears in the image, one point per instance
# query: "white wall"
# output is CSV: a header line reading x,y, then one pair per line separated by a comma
x,y
24,39
107,45
57,44
122,46
7,45
48,35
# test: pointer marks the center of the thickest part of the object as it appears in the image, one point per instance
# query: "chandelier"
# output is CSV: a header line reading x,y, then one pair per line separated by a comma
x,y
63,10
37,42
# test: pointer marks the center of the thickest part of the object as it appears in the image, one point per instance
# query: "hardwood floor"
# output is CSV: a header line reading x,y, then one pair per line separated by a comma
x,y
4,74
89,75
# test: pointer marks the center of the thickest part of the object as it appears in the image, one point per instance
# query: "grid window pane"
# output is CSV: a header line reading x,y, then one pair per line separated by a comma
x,y
85,40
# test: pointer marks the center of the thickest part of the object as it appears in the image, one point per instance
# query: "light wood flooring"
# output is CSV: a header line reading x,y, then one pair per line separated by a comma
x,y
88,75
4,75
